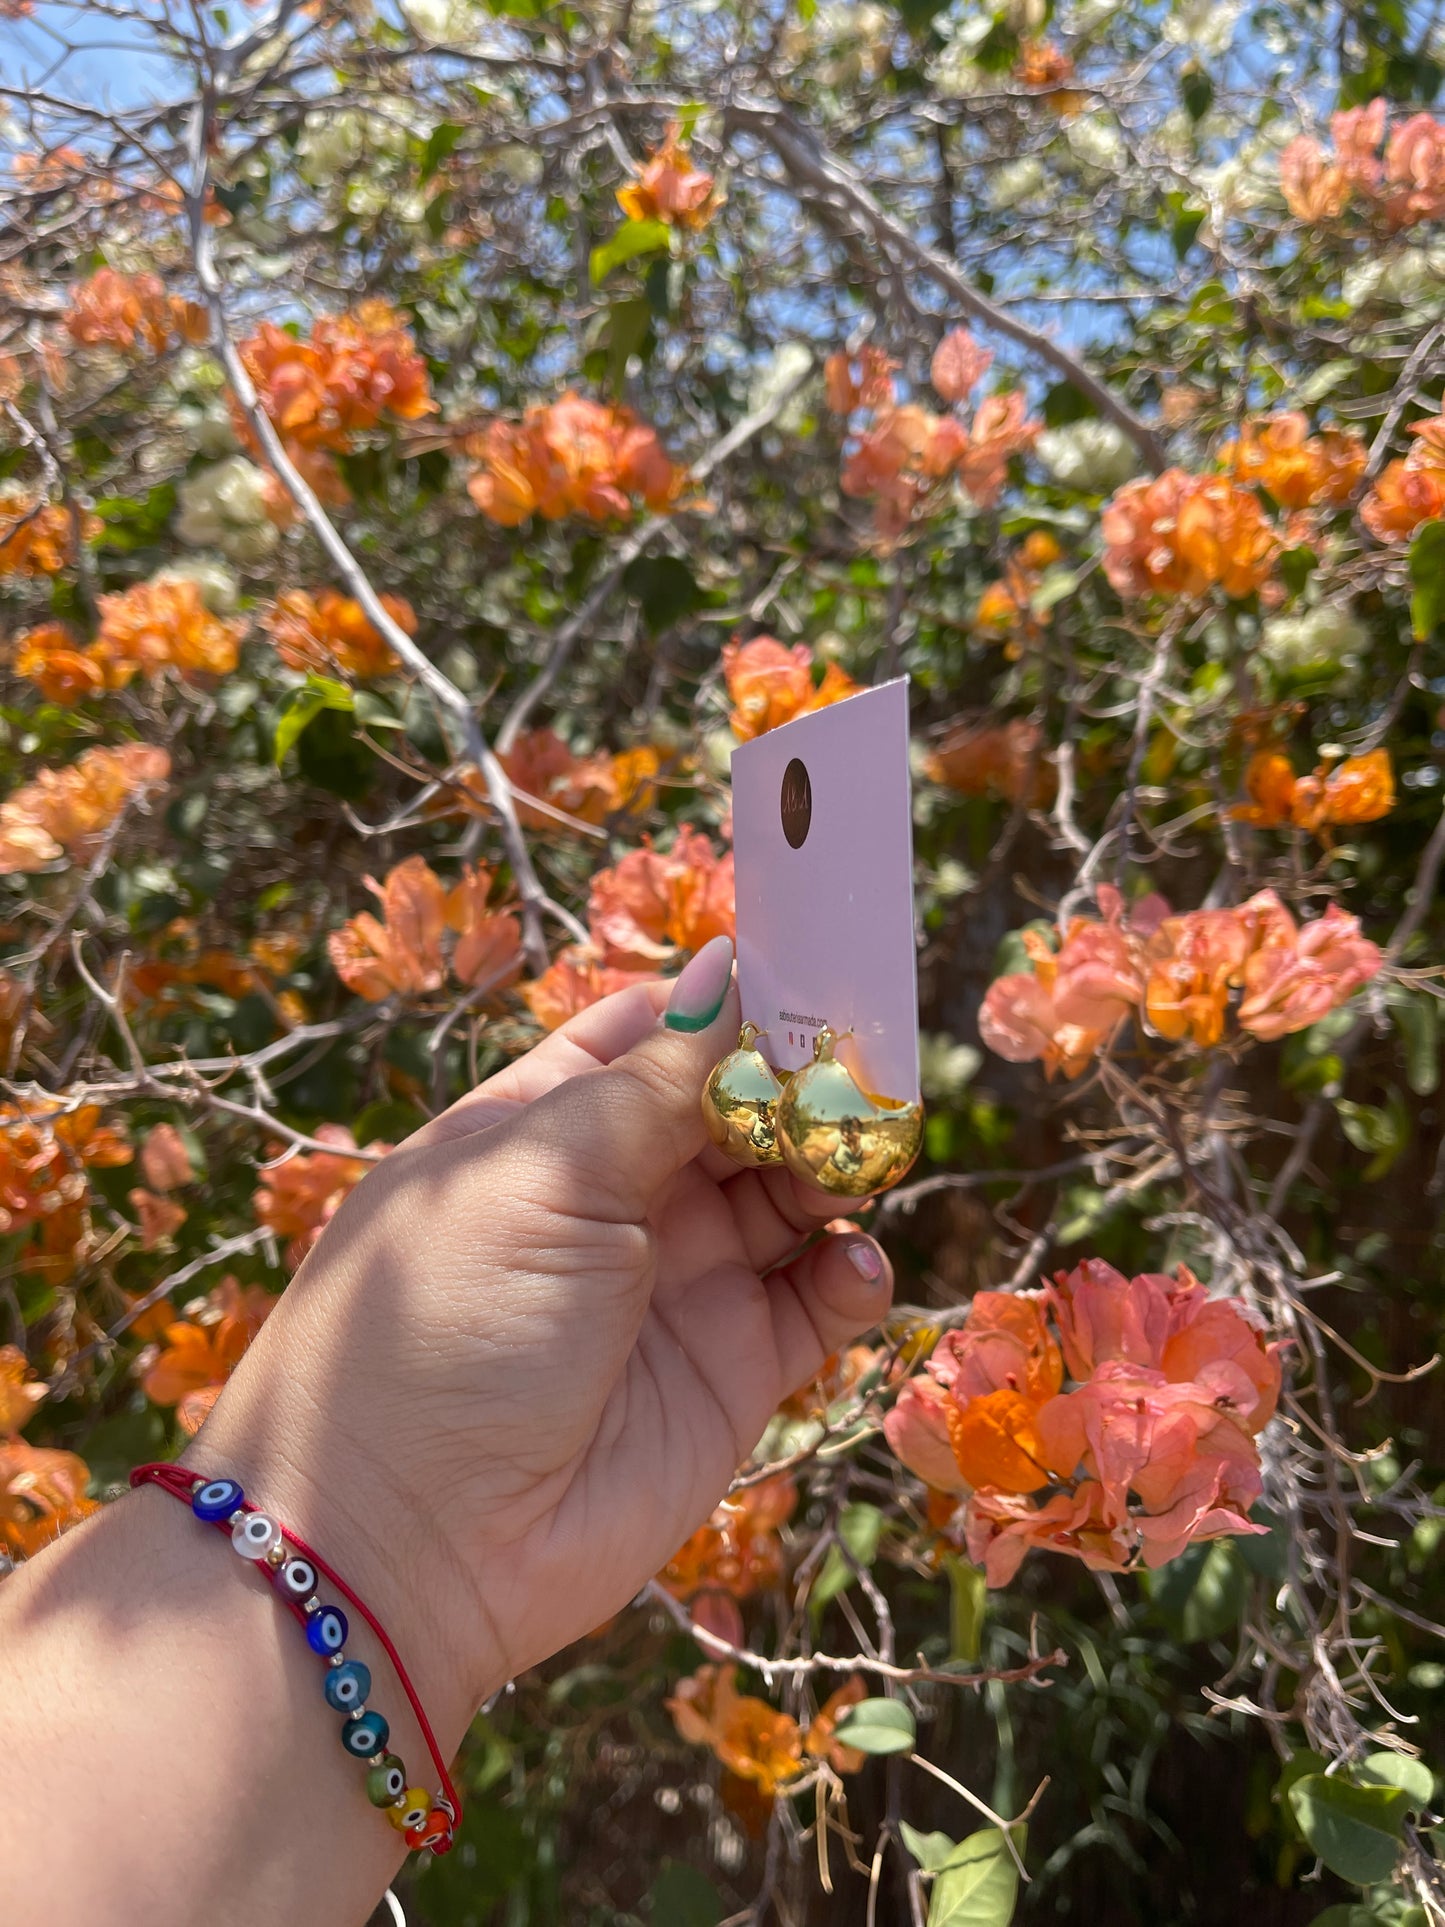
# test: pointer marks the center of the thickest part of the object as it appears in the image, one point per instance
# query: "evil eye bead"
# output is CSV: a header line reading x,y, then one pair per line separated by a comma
x,y
347,1686
434,1832
365,1734
414,1808
297,1579
255,1534
216,1499
386,1782
326,1634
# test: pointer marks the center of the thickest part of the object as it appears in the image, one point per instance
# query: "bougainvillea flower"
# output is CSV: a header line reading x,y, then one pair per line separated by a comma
x,y
752,1739
354,371
1298,469
1041,65
328,631
1181,534
654,902
163,624
864,380
770,683
1003,1528
1314,187
995,759
199,1355
159,1218
669,188
1192,962
402,951
571,457
41,1493
959,364
1361,789
737,1551
1402,498
63,812
164,1159
822,1742
1103,1315
20,1391
575,981
132,310
51,656
1415,172
1287,988
302,1194
38,538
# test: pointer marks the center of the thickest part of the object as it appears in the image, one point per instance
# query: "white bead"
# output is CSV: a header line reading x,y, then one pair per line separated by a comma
x,y
254,1535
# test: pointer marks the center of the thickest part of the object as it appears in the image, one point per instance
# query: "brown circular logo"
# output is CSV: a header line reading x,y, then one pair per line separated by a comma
x,y
797,803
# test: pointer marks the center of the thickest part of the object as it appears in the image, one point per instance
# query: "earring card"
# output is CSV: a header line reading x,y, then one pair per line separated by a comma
x,y
823,856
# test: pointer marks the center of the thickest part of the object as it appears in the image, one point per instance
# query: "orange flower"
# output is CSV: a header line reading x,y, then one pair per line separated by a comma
x,y
163,624
356,370
994,759
20,1391
159,1218
822,1743
959,364
669,188
200,1355
651,903
1181,534
36,537
737,1551
571,457
1192,962
328,631
1406,494
752,1739
1317,188
403,953
862,381
50,656
131,310
540,765
1415,172
1359,790
1041,64
165,1160
302,1194
64,811
41,1493
574,981
1298,469
770,684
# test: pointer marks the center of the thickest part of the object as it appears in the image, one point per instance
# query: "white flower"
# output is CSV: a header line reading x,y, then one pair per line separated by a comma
x,y
945,1067
329,144
450,23
1205,25
220,591
1095,141
1319,638
1088,14
1095,457
224,507
1016,181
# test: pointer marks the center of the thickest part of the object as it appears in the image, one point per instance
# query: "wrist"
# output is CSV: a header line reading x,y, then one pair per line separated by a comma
x,y
296,1459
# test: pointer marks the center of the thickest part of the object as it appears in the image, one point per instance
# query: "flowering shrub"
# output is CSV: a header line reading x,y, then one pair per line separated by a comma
x,y
667,377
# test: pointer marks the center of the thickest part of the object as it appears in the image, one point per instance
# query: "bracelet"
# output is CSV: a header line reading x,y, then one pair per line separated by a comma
x,y
292,1568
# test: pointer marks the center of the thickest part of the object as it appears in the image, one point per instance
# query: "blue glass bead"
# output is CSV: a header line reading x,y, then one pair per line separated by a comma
x,y
216,1499
347,1686
326,1632
365,1734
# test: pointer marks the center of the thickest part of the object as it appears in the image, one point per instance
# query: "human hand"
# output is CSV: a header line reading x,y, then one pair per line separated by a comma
x,y
523,1361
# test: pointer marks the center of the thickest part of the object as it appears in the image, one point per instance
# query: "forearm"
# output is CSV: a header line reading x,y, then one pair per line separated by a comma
x,y
161,1707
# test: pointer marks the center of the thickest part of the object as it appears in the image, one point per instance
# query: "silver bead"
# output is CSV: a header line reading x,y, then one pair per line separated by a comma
x,y
236,1517
311,1605
337,1659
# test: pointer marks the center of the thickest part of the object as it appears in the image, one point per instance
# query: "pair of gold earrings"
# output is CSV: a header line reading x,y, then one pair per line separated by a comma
x,y
816,1121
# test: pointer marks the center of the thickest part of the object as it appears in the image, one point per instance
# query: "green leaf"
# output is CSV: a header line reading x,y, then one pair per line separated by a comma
x,y
1355,1830
629,323
1201,1593
860,1527
630,240
968,1607
979,1885
1413,1777
303,706
878,1726
441,142
1323,381
1384,1131
1417,1018
1427,573
330,756
666,588
681,1897
932,1851
1196,90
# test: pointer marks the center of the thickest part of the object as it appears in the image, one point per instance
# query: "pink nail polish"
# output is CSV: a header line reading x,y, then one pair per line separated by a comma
x,y
698,994
865,1258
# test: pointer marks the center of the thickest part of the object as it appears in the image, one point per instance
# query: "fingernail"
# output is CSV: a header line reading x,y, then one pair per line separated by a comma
x,y
698,994
865,1258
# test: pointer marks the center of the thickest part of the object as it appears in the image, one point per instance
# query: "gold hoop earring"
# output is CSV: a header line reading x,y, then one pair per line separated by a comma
x,y
740,1101
835,1135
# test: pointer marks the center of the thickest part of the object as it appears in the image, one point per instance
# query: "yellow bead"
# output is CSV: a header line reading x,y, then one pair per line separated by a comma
x,y
837,1136
739,1101
411,1810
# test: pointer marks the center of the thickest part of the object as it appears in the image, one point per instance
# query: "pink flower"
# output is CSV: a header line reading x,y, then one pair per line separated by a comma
x,y
1415,168
1103,1315
1287,986
1020,1020
1357,134
1002,1528
959,364
917,1429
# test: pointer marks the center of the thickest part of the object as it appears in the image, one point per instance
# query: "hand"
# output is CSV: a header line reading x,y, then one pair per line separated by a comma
x,y
526,1356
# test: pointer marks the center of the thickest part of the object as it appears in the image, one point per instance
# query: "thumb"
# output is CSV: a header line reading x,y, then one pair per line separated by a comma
x,y
622,1132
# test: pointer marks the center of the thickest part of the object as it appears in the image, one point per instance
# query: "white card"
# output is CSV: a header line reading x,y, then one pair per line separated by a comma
x,y
823,849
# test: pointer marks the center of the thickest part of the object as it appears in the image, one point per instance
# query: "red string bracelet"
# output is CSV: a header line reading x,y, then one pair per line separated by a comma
x,y
423,1821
